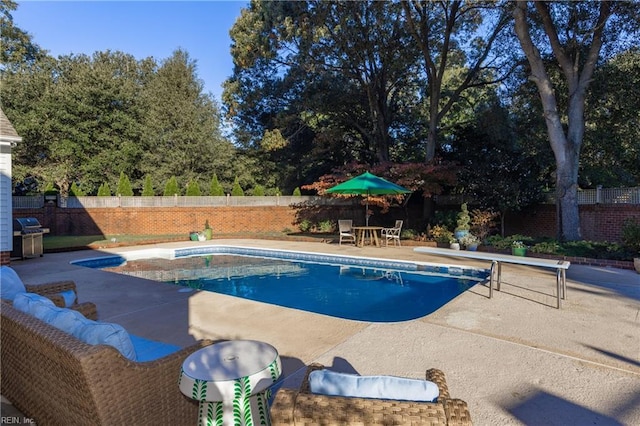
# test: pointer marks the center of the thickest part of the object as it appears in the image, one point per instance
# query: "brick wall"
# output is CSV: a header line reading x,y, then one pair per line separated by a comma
x,y
175,220
5,257
598,222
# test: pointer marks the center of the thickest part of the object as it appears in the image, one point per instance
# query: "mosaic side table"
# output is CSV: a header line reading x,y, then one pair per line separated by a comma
x,y
231,380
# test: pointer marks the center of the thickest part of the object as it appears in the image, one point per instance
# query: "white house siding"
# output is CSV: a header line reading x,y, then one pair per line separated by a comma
x,y
8,138
6,225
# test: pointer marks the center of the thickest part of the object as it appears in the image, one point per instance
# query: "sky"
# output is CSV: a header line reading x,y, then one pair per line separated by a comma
x,y
139,28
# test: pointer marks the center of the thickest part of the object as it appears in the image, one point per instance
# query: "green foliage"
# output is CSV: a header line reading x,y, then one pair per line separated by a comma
x,y
50,189
304,225
408,234
237,191
124,186
215,189
147,190
446,218
193,189
463,218
258,191
325,226
631,236
171,187
547,247
104,190
296,192
75,191
483,222
440,234
504,243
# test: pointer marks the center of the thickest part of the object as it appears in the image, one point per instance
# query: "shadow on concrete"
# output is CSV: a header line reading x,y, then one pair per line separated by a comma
x,y
611,279
545,408
614,355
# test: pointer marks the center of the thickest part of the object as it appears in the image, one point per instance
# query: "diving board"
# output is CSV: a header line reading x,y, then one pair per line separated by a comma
x,y
498,259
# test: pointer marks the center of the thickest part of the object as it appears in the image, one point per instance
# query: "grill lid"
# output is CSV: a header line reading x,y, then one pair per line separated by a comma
x,y
26,224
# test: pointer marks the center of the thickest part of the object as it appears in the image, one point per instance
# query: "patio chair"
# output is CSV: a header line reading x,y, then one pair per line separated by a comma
x,y
346,231
392,234
302,407
62,293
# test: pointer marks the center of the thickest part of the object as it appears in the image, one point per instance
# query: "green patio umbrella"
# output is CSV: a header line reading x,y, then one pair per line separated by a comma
x,y
368,184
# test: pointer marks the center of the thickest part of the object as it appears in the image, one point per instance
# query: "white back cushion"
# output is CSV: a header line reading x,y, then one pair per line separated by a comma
x,y
10,283
328,382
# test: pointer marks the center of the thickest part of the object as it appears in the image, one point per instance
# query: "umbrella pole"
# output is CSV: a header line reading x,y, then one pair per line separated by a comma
x,y
366,212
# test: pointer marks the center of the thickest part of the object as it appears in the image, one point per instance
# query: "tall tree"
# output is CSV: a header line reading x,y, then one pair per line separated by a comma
x,y
456,37
18,47
182,136
575,33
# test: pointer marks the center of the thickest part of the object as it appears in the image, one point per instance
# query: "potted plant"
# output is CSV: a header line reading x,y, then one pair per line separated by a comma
x,y
470,242
462,222
518,248
441,235
208,231
454,244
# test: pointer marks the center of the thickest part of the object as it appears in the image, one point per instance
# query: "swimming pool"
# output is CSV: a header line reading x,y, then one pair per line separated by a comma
x,y
356,288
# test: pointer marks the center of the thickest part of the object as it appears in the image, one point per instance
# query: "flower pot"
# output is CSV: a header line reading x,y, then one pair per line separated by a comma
x,y
519,251
461,233
636,264
454,246
472,247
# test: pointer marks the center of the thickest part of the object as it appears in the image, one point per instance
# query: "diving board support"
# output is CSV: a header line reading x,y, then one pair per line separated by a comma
x,y
498,259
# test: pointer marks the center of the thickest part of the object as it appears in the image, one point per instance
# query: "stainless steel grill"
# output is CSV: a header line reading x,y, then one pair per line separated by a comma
x,y
27,237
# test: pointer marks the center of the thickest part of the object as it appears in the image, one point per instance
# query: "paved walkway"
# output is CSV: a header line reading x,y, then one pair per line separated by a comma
x,y
515,359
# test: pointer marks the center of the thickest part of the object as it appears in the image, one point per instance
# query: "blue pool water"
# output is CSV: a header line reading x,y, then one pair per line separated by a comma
x,y
353,288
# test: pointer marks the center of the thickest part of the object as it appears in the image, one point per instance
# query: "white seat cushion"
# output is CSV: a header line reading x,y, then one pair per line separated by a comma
x,y
326,382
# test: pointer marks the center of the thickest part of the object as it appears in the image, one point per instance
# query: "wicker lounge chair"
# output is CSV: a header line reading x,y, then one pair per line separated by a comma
x,y
52,291
301,407
56,379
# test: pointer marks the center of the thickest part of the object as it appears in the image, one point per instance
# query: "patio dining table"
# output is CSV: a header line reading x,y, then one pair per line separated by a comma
x,y
367,233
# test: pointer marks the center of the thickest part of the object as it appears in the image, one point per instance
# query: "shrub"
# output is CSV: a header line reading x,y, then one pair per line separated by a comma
x,y
215,189
547,247
483,222
440,234
325,226
304,225
258,191
104,190
296,192
75,191
408,234
193,189
124,186
171,187
631,235
463,219
50,189
237,191
147,190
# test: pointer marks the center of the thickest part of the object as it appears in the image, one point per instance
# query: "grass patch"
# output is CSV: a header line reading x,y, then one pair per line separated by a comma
x,y
56,242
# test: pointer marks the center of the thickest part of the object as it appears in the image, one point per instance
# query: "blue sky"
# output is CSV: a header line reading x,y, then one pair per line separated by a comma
x,y
140,28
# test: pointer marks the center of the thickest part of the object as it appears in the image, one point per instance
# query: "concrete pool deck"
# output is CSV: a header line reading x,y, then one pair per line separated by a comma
x,y
515,358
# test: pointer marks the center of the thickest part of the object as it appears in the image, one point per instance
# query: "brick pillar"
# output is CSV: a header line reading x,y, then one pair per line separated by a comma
x,y
5,257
